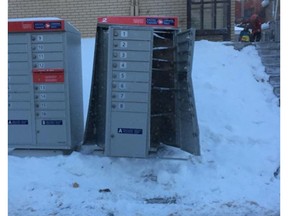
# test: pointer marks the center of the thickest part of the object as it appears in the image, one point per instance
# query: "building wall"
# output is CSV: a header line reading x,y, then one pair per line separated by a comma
x,y
233,11
164,7
83,14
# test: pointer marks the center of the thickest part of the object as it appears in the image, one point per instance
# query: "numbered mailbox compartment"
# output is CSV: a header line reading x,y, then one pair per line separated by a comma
x,y
49,96
50,47
46,38
131,34
53,56
131,55
129,107
131,45
49,87
50,114
130,86
50,105
50,64
131,66
130,97
130,76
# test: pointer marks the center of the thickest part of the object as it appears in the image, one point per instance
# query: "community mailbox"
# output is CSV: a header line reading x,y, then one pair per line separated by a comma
x,y
44,84
141,92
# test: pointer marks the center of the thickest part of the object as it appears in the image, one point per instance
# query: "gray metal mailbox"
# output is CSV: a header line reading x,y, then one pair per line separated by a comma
x,y
141,91
45,84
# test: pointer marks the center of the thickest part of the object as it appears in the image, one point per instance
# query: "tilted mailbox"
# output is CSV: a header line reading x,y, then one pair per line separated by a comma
x,y
141,91
45,84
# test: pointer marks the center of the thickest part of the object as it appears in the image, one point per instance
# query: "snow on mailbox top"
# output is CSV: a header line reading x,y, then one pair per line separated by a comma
x,y
155,21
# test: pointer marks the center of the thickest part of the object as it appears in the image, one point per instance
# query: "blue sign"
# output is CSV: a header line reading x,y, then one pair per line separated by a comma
x,y
18,122
130,131
47,25
52,122
160,21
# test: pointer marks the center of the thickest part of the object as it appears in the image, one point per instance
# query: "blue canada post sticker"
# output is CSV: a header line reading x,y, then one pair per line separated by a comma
x,y
129,131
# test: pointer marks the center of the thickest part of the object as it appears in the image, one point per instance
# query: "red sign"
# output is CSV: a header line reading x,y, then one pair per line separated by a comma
x,y
36,26
155,21
48,75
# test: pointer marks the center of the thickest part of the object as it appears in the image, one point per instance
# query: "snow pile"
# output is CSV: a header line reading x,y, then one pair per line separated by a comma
x,y
239,135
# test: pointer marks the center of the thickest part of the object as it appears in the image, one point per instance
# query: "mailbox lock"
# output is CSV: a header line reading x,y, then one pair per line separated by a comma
x,y
115,33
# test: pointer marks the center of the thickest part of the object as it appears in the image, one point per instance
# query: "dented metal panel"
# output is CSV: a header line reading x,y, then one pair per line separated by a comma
x,y
187,125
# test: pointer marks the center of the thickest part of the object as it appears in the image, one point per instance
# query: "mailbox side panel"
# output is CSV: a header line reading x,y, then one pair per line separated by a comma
x,y
74,86
95,129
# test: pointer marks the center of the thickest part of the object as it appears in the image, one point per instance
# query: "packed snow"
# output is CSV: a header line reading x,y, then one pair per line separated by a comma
x,y
239,123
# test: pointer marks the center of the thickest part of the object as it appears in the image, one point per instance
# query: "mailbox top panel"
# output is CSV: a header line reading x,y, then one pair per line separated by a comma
x,y
153,21
45,24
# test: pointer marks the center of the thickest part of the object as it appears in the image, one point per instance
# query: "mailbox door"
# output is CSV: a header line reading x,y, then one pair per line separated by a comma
x,y
128,91
187,131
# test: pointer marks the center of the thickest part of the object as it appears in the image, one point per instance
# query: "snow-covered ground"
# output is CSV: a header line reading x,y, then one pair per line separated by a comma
x,y
239,122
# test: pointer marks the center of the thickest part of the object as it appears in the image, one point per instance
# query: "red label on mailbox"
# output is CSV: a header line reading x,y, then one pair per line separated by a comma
x,y
155,21
48,75
36,26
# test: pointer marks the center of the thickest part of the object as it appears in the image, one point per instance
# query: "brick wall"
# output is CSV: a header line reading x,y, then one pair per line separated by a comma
x,y
233,37
83,13
164,7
